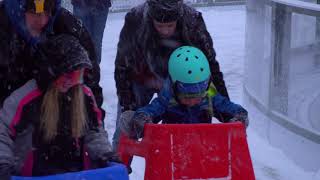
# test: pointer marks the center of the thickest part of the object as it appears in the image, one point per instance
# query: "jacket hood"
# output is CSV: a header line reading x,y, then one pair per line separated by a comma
x,y
15,9
57,55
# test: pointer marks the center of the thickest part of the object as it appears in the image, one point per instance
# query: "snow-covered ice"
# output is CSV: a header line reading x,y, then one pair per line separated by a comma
x,y
227,27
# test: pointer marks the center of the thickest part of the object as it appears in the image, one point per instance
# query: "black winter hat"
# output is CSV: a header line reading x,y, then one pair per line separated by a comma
x,y
60,54
165,10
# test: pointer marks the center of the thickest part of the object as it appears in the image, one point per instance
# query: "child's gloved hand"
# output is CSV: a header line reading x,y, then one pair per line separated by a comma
x,y
113,157
138,122
125,122
109,157
242,117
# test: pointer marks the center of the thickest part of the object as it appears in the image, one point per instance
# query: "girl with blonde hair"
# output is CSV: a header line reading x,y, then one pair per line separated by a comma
x,y
52,124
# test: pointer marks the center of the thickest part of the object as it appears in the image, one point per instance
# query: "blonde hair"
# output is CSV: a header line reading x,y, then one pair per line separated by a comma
x,y
50,113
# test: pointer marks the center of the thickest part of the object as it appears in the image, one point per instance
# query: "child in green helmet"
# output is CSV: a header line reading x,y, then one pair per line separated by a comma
x,y
187,97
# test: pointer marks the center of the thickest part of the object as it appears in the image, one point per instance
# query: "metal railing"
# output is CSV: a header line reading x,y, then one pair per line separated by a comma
x,y
125,5
282,76
281,30
282,11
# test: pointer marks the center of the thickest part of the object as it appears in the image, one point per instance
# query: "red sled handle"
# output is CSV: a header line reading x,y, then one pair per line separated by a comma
x,y
129,147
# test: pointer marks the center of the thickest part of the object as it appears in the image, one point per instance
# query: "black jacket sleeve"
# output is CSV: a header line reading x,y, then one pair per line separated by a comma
x,y
69,24
9,46
4,54
124,63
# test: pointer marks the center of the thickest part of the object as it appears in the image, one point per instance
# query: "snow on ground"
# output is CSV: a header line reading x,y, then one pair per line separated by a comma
x,y
227,27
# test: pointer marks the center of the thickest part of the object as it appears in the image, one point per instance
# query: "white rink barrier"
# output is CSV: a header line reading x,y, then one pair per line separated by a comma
x,y
282,76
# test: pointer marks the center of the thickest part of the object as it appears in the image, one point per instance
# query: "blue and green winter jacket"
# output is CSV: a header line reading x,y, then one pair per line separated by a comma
x,y
166,107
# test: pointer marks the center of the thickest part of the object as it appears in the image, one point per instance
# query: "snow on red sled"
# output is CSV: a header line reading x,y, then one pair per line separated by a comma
x,y
114,172
197,151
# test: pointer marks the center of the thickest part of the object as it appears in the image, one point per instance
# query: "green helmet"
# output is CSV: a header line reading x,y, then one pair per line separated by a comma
x,y
188,64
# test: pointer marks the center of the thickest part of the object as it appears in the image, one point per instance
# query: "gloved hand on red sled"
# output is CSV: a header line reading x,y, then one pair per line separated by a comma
x,y
241,117
132,123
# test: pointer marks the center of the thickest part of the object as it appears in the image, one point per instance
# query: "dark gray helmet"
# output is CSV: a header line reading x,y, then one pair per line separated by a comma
x,y
165,10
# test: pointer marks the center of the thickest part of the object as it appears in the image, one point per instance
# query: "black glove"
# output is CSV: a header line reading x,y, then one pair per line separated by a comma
x,y
112,157
138,121
242,117
107,158
125,122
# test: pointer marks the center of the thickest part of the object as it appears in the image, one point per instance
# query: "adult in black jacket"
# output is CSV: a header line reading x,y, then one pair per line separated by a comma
x,y
150,33
93,14
22,26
